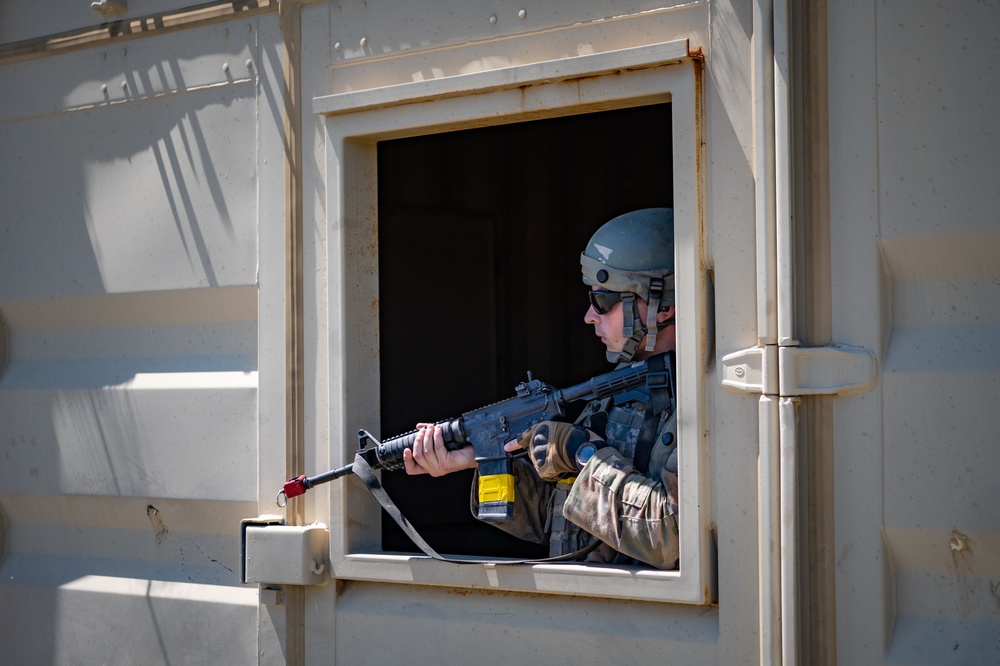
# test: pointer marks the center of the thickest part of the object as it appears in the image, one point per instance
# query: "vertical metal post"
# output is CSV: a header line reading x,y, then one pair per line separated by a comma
x,y
769,531
768,473
785,318
289,18
818,629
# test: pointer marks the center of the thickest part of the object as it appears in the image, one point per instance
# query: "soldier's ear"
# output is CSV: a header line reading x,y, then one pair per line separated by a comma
x,y
663,316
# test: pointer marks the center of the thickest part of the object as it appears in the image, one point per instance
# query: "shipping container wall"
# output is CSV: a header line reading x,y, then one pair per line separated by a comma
x,y
393,72
915,240
130,248
150,172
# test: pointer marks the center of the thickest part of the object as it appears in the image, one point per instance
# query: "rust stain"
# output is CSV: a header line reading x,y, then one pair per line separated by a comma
x,y
705,332
961,547
158,525
482,591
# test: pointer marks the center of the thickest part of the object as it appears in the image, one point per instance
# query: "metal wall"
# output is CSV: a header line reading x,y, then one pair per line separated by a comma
x,y
915,240
441,613
142,283
129,280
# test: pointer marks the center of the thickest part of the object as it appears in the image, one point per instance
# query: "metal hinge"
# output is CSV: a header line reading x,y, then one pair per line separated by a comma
x,y
799,371
278,554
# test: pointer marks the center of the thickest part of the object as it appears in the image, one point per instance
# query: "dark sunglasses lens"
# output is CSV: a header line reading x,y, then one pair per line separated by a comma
x,y
603,301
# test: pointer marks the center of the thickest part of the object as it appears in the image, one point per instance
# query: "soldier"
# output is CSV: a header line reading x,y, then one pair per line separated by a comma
x,y
610,480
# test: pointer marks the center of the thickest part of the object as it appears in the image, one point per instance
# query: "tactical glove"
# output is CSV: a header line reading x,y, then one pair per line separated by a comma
x,y
552,448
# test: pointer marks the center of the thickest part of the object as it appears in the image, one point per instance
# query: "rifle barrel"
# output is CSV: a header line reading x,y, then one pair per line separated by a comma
x,y
328,476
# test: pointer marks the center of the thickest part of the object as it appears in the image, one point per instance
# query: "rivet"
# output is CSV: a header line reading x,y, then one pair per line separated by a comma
x,y
493,18
249,28
249,63
338,46
740,371
364,42
124,52
104,55
225,32
104,87
225,67
521,14
364,5
124,85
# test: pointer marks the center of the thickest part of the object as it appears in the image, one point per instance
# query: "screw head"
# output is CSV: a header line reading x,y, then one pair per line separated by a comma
x,y
364,42
521,14
493,18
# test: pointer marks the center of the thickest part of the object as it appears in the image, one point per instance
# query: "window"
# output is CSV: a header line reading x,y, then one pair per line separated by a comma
x,y
525,192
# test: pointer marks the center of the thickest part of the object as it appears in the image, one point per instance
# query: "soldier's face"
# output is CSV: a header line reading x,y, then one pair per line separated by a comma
x,y
608,326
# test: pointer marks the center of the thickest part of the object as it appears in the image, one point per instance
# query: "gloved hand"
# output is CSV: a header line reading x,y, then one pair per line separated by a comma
x,y
552,447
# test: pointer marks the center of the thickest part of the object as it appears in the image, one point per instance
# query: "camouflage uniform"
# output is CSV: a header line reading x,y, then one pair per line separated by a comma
x,y
634,516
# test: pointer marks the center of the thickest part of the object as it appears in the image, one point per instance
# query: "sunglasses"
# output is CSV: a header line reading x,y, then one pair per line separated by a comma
x,y
603,301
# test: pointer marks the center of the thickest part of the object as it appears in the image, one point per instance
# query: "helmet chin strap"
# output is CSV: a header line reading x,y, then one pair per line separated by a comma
x,y
632,328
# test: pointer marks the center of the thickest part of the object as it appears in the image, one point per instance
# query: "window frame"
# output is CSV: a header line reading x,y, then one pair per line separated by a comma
x,y
355,122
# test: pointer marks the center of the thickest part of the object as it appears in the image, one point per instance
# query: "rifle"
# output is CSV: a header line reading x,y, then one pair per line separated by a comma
x,y
488,428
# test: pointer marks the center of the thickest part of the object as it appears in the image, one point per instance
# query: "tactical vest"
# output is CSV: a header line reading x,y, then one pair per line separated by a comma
x,y
624,419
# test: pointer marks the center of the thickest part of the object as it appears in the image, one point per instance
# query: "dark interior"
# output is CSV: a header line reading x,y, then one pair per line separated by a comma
x,y
479,238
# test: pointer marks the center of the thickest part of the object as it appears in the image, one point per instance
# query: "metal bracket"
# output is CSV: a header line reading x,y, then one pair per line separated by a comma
x,y
278,554
798,371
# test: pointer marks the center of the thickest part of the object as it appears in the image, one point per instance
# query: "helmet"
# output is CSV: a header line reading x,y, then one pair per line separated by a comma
x,y
634,254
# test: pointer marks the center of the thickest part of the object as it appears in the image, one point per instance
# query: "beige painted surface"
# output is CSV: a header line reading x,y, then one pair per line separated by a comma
x,y
142,285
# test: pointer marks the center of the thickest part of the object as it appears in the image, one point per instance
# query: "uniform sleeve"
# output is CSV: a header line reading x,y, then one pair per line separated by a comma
x,y
532,498
632,513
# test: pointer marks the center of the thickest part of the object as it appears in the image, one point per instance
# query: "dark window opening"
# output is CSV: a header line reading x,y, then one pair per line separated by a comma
x,y
480,233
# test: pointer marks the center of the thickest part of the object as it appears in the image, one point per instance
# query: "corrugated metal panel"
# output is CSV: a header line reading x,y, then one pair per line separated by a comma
x,y
20,21
558,630
418,614
938,211
915,212
128,412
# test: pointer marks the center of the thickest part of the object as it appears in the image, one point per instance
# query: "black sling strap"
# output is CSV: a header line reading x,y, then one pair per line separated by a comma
x,y
660,382
367,476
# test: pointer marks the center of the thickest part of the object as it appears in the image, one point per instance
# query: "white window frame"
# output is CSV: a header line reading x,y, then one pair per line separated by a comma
x,y
355,122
